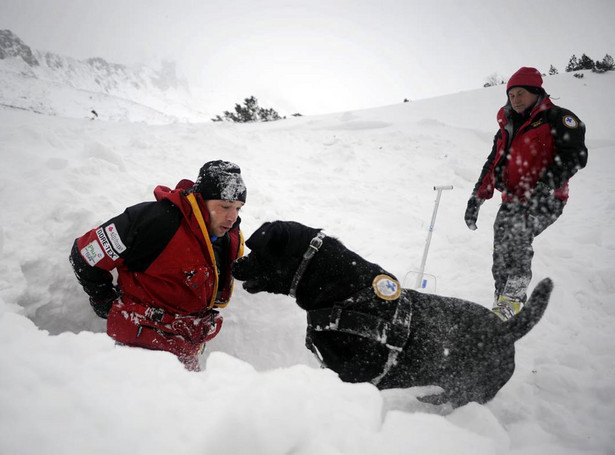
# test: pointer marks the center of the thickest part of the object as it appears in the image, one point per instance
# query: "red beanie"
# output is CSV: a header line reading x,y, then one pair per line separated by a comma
x,y
525,77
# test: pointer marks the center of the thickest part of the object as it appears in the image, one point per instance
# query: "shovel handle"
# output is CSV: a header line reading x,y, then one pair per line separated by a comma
x,y
419,278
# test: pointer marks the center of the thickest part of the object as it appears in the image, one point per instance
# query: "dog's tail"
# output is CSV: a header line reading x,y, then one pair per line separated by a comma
x,y
520,324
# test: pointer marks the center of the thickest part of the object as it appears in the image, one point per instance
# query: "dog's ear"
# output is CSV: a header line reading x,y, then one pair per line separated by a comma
x,y
270,236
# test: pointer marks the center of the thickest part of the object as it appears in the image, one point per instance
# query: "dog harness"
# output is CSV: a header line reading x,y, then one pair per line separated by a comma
x,y
392,333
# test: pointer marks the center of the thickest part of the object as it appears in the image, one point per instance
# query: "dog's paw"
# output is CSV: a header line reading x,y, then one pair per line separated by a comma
x,y
410,400
435,400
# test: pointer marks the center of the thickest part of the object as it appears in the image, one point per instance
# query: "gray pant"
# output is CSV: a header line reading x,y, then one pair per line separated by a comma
x,y
514,229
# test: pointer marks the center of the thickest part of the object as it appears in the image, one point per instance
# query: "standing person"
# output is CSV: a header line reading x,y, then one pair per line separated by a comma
x,y
173,260
536,151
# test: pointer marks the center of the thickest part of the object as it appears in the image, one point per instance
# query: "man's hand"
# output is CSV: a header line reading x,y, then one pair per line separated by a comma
x,y
471,214
102,305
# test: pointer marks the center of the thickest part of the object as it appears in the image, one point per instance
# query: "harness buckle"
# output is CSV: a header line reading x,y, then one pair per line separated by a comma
x,y
314,245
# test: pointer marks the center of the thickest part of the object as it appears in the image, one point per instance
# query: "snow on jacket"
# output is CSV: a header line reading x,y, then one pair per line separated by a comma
x,y
548,146
162,256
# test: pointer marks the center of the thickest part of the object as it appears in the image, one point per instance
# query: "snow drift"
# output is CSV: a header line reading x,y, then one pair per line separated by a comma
x,y
367,178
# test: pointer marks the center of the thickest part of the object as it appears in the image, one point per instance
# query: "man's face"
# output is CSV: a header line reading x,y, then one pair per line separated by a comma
x,y
521,99
222,215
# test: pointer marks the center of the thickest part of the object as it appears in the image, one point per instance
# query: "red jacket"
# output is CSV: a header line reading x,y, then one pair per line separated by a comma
x,y
162,256
548,146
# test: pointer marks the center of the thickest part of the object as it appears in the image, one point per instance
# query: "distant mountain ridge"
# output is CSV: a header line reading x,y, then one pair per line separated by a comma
x,y
12,46
52,84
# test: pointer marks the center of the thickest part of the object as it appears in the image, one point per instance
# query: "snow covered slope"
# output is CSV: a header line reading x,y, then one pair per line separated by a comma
x,y
366,177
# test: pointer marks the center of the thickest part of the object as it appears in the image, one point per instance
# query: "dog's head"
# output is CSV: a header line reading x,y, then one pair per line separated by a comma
x,y
276,250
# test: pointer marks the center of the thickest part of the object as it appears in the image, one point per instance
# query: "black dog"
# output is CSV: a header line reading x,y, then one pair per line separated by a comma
x,y
362,325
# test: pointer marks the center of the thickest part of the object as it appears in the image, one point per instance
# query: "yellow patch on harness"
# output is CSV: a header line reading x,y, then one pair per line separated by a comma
x,y
386,287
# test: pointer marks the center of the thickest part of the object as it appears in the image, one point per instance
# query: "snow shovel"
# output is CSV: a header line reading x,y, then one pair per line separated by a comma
x,y
421,282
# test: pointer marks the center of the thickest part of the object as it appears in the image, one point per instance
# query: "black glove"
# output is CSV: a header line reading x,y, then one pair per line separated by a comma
x,y
102,305
472,209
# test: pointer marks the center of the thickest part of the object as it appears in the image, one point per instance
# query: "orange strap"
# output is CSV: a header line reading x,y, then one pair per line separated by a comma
x,y
201,221
239,254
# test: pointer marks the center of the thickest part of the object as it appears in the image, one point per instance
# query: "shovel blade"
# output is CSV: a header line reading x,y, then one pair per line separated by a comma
x,y
426,284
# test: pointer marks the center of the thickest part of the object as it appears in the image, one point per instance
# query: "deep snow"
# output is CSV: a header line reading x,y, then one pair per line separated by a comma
x,y
367,178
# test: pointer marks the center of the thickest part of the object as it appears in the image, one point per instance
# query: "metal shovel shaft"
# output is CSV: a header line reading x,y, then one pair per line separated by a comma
x,y
439,189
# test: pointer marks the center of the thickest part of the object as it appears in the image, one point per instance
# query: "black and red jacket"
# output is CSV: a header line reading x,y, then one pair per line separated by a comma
x,y
161,254
546,145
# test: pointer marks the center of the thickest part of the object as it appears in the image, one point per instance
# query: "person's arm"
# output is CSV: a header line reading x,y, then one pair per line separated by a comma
x,y
101,250
570,150
134,238
96,282
484,187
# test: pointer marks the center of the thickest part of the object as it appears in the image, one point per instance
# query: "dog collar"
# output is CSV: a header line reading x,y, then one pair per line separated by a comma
x,y
312,249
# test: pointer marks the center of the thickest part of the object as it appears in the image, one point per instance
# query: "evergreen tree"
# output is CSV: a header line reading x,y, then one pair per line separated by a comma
x,y
586,63
249,112
607,64
552,70
573,64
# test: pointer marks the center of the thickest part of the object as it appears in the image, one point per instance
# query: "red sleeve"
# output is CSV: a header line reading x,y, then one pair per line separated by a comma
x,y
101,247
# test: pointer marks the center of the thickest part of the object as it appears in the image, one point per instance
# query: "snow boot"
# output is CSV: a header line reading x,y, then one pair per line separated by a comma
x,y
505,307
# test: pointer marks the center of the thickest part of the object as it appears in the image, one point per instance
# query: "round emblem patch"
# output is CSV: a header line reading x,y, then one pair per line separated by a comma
x,y
570,121
386,287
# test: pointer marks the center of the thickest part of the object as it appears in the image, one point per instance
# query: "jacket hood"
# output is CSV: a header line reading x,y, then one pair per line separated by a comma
x,y
164,192
178,197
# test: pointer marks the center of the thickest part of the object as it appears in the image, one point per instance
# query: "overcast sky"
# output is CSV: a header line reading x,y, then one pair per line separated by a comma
x,y
321,56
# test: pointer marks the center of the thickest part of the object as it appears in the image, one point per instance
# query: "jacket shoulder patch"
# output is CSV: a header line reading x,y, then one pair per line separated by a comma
x,y
106,244
570,122
92,253
114,238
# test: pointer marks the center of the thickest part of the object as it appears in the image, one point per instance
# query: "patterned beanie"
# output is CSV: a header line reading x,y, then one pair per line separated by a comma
x,y
220,180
